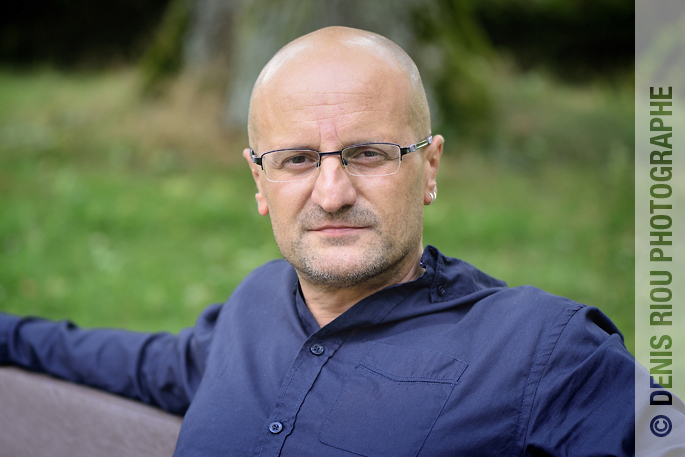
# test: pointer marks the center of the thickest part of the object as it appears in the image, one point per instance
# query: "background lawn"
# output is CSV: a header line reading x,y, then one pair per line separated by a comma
x,y
122,210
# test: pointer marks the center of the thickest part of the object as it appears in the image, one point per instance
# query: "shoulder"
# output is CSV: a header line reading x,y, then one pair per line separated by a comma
x,y
517,308
530,306
267,291
492,313
527,330
549,323
276,278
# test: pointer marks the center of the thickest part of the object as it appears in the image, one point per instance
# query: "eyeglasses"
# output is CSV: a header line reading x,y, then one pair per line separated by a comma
x,y
366,159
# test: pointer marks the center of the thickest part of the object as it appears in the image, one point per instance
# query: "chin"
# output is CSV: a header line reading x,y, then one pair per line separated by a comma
x,y
344,266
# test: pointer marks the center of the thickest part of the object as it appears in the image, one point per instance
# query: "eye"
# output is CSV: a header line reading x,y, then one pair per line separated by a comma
x,y
297,159
293,160
369,153
366,155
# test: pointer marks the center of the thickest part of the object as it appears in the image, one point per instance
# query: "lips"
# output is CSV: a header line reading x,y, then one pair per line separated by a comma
x,y
337,230
345,221
332,227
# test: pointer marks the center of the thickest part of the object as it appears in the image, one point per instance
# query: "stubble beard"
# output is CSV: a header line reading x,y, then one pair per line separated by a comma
x,y
378,261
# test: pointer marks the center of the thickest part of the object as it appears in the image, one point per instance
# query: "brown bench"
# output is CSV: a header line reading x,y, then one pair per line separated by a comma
x,y
42,416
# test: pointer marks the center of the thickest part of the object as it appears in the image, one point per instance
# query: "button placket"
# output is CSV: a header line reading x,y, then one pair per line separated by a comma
x,y
303,374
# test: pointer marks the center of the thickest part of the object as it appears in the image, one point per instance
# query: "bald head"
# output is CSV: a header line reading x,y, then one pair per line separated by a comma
x,y
330,50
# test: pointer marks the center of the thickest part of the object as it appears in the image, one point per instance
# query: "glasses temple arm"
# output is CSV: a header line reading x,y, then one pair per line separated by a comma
x,y
417,146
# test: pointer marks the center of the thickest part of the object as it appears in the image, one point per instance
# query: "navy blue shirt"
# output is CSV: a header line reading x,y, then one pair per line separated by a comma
x,y
452,363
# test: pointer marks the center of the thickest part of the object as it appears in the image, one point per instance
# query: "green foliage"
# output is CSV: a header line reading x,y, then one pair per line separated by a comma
x,y
461,88
109,228
538,120
164,56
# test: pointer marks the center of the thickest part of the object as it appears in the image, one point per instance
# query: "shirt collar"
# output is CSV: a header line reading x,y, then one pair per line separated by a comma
x,y
446,282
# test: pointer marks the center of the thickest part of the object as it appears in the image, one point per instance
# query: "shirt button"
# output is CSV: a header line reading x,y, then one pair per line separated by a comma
x,y
275,427
316,349
441,290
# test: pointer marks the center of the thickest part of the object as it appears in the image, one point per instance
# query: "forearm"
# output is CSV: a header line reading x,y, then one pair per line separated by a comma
x,y
154,368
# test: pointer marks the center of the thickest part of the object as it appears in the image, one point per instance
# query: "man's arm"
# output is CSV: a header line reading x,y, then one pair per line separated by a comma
x,y
157,368
584,402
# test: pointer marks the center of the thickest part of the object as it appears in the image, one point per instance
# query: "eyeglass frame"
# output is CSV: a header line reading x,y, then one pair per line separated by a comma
x,y
403,151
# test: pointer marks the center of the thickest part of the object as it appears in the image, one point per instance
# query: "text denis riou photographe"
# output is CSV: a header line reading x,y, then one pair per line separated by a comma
x,y
660,253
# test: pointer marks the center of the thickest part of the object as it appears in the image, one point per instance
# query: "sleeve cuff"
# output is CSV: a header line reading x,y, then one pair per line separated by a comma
x,y
7,325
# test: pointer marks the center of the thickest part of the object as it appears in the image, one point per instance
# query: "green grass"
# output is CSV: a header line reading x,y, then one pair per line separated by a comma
x,y
126,212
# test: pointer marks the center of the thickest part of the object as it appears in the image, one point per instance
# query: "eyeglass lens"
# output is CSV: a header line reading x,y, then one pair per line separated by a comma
x,y
376,159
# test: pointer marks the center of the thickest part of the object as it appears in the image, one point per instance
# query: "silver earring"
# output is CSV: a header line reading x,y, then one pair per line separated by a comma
x,y
433,197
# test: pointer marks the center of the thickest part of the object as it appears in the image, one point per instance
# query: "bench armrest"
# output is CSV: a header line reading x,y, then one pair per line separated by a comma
x,y
43,416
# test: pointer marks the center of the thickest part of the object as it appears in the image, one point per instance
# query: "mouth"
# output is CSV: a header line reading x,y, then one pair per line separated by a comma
x,y
335,230
343,226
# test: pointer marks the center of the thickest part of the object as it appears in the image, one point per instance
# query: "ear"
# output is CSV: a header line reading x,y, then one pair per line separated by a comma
x,y
431,162
262,206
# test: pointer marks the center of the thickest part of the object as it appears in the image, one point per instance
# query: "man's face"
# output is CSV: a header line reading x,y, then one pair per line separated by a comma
x,y
339,230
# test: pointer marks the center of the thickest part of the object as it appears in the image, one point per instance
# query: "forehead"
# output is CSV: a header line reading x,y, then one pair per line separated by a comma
x,y
316,100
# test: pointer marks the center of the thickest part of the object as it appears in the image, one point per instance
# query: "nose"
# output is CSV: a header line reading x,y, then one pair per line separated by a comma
x,y
333,187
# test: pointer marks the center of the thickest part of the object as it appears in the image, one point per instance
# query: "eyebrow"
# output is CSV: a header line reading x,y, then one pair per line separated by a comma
x,y
345,145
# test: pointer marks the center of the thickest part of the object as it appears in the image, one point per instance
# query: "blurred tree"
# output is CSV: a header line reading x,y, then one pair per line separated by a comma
x,y
575,38
227,42
209,41
459,73
442,36
164,56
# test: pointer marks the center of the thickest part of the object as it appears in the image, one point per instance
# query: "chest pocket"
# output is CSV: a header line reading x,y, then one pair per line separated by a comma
x,y
390,402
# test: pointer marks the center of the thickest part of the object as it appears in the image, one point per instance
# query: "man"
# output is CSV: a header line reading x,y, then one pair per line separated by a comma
x,y
362,343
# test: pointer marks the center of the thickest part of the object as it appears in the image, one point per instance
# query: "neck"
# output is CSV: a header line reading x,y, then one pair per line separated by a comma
x,y
326,303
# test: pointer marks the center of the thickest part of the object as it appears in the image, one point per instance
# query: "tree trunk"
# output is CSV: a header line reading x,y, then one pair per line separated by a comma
x,y
235,39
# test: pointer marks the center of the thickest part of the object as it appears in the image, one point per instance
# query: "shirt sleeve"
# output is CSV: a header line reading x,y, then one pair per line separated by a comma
x,y
584,401
157,368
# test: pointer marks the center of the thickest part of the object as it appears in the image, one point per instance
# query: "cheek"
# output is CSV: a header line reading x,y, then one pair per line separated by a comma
x,y
398,202
285,202
411,196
